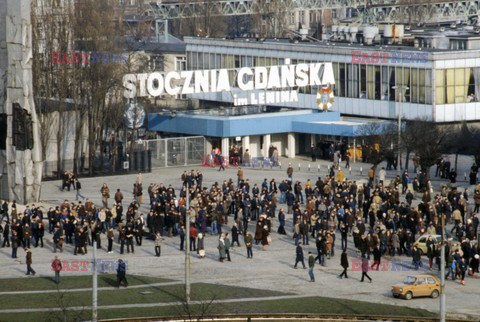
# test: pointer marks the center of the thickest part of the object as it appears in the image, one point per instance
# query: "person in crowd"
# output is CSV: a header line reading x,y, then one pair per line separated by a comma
x,y
299,255
227,244
344,263
28,261
365,269
57,267
221,248
158,244
249,243
121,273
311,266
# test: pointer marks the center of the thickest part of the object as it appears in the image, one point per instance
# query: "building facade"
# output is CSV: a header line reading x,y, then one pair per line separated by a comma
x,y
430,79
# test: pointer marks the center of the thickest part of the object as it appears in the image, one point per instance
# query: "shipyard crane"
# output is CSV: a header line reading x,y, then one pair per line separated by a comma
x,y
368,11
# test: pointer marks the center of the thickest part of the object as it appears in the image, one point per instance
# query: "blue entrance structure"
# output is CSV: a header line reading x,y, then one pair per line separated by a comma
x,y
290,130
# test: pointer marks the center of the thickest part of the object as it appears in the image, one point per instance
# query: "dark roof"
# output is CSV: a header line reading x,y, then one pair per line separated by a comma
x,y
173,45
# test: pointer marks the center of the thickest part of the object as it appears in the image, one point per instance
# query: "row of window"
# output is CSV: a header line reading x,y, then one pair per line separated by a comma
x,y
375,82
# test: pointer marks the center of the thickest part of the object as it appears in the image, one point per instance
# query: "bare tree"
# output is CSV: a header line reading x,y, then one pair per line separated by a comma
x,y
95,30
52,34
431,141
378,140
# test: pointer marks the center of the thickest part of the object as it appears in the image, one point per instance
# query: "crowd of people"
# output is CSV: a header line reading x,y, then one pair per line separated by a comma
x,y
378,216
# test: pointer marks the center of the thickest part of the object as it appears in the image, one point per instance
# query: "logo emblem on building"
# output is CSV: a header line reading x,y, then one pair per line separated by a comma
x,y
134,115
325,98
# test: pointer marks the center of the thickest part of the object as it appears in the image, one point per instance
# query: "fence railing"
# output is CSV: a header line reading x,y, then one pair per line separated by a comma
x,y
147,155
172,152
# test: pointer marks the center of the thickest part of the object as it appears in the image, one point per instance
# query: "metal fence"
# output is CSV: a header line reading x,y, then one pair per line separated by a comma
x,y
146,155
172,152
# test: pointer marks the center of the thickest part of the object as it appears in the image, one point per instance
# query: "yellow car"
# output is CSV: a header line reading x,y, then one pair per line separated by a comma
x,y
421,242
416,286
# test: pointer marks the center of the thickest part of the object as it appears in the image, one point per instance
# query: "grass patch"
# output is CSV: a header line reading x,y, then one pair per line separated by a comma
x,y
158,294
70,282
311,305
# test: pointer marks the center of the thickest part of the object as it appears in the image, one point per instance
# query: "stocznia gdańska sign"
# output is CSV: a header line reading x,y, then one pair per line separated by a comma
x,y
217,80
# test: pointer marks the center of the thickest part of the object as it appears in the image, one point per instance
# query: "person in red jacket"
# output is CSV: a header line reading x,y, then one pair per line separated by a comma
x,y
193,238
57,267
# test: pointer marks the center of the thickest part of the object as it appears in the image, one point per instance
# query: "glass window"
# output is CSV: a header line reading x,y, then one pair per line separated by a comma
x,y
237,61
363,81
337,80
370,82
200,64
385,82
194,61
440,86
206,61
352,80
450,89
230,64
428,86
430,280
461,85
342,78
421,281
407,84
471,84
377,83
414,85
421,85
181,63
189,59
391,83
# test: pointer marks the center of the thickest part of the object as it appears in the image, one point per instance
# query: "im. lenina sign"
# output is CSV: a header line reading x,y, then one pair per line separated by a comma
x,y
217,80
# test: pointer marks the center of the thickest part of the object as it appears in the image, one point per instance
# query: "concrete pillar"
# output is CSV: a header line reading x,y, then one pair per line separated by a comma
x,y
291,145
225,147
246,144
313,139
267,141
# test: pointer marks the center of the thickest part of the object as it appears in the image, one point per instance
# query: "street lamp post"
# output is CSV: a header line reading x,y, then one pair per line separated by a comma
x,y
442,265
187,247
442,273
401,88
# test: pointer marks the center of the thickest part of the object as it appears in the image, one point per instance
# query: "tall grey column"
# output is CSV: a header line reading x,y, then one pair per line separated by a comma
x,y
20,161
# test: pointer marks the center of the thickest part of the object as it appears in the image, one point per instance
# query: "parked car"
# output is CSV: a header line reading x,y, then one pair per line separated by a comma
x,y
421,242
417,286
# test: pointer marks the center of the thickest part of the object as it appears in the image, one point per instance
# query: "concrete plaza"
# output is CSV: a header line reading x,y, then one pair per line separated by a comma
x,y
271,269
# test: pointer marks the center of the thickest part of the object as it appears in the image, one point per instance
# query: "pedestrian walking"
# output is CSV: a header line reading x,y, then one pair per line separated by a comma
x,y
299,255
227,246
235,235
416,258
28,261
110,237
290,172
249,244
105,191
311,265
15,243
57,267
221,248
344,263
463,269
181,234
78,187
158,244
121,273
365,269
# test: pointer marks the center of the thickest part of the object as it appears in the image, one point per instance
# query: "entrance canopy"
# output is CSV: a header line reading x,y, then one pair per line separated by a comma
x,y
298,121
